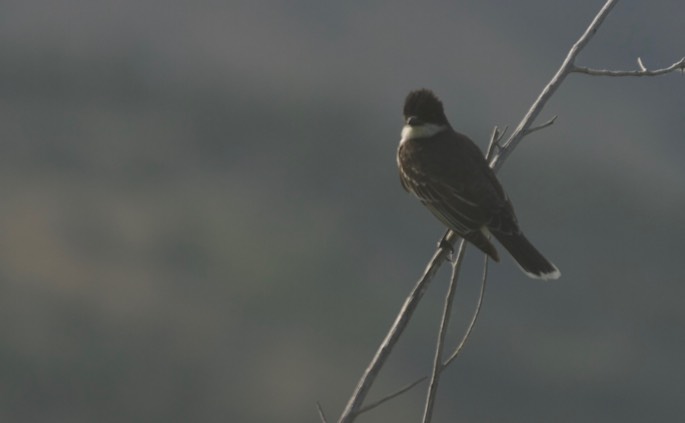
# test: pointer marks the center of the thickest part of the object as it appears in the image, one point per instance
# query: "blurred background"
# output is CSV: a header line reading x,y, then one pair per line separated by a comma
x,y
202,221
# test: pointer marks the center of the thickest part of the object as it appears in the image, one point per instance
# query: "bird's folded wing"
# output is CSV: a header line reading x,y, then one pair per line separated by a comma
x,y
451,206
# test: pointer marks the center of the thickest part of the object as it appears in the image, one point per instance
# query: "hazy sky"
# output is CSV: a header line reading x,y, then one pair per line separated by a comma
x,y
202,218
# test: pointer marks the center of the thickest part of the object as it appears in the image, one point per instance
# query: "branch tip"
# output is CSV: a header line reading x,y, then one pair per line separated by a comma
x,y
322,416
641,65
542,126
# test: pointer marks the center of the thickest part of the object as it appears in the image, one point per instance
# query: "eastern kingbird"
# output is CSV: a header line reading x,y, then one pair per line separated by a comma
x,y
450,176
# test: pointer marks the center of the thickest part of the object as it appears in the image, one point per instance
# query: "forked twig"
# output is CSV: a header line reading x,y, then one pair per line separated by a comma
x,y
411,302
452,356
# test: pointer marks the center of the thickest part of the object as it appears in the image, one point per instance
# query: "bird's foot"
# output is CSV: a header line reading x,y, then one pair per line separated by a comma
x,y
443,244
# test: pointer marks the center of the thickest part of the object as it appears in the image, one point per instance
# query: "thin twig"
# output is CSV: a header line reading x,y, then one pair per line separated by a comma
x,y
476,313
494,141
322,416
444,324
544,125
391,396
679,65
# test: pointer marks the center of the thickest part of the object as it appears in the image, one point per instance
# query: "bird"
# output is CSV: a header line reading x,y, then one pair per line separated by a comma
x,y
449,175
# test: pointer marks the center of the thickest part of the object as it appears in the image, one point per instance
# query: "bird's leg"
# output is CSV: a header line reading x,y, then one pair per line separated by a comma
x,y
445,245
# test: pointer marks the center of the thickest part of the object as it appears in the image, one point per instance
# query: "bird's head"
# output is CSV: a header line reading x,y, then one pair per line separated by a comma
x,y
423,115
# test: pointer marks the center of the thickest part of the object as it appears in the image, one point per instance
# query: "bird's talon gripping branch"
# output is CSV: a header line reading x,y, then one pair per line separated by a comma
x,y
444,244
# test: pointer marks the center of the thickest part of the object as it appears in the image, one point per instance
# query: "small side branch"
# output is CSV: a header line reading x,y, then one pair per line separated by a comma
x,y
640,64
643,71
544,125
391,396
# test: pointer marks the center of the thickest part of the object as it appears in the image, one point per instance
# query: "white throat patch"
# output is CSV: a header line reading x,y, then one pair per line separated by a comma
x,y
426,130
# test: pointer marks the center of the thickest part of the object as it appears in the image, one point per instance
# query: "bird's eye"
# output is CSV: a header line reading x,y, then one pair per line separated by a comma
x,y
414,121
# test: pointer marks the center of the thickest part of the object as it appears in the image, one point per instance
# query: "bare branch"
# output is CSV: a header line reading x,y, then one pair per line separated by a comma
x,y
679,65
551,87
444,323
322,416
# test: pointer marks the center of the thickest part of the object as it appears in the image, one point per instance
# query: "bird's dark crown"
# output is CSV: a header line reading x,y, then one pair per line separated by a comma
x,y
425,106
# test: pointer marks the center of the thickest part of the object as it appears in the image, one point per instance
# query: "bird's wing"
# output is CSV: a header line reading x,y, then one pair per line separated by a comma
x,y
449,205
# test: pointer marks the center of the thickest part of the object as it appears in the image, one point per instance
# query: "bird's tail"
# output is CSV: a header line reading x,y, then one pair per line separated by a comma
x,y
529,259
